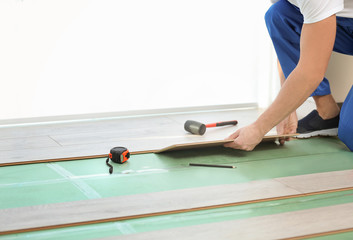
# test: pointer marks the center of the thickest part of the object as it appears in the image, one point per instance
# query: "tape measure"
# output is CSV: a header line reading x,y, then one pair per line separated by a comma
x,y
117,155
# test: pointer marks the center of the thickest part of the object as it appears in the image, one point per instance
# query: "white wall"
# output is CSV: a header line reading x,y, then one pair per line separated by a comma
x,y
91,56
30,31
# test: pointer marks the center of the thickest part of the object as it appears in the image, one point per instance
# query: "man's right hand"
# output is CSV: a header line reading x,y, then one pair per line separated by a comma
x,y
287,126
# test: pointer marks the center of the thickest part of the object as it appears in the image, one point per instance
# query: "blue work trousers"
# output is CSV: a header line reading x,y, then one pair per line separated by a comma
x,y
284,23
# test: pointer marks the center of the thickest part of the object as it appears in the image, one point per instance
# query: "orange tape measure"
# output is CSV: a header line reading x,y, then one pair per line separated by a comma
x,y
117,155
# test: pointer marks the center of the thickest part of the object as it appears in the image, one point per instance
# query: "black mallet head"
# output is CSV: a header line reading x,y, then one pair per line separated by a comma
x,y
200,128
195,127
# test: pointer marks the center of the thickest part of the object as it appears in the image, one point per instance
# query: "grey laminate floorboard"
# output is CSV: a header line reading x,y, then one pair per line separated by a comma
x,y
99,136
84,126
8,144
278,226
162,130
50,215
325,181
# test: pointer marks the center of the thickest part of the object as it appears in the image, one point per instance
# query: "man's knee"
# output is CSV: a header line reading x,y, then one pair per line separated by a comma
x,y
345,133
345,128
275,14
282,18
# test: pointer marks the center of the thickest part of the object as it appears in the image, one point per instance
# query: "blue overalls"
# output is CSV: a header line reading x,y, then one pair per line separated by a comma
x,y
284,23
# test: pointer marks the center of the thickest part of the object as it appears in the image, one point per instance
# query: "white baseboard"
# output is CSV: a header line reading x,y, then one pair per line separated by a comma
x,y
115,115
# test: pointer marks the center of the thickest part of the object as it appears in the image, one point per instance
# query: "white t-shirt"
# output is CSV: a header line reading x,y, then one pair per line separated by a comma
x,y
317,10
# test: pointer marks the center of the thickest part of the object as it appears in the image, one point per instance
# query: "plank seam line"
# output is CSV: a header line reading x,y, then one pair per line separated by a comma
x,y
55,141
288,186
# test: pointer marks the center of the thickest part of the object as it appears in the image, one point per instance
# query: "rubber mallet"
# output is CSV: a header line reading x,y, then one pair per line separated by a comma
x,y
200,128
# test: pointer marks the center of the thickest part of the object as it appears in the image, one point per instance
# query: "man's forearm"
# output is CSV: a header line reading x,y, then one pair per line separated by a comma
x,y
316,46
296,89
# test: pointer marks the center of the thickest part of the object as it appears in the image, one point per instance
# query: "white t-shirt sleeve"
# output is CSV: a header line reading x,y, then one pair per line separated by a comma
x,y
317,10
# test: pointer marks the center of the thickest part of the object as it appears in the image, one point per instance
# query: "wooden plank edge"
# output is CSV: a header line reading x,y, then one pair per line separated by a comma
x,y
183,146
321,234
280,136
68,159
176,147
196,144
175,212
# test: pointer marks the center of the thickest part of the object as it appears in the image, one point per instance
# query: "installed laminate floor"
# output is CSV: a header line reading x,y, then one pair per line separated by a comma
x,y
97,136
94,137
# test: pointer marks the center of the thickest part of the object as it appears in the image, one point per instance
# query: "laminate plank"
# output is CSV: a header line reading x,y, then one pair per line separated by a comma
x,y
298,224
130,123
98,150
135,206
74,152
98,136
7,144
173,130
94,125
80,137
213,143
158,133
27,155
78,151
324,181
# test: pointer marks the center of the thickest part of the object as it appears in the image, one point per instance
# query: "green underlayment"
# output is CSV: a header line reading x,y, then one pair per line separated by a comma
x,y
44,183
341,236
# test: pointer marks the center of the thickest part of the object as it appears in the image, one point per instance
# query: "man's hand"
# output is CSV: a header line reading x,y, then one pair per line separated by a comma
x,y
287,126
245,138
